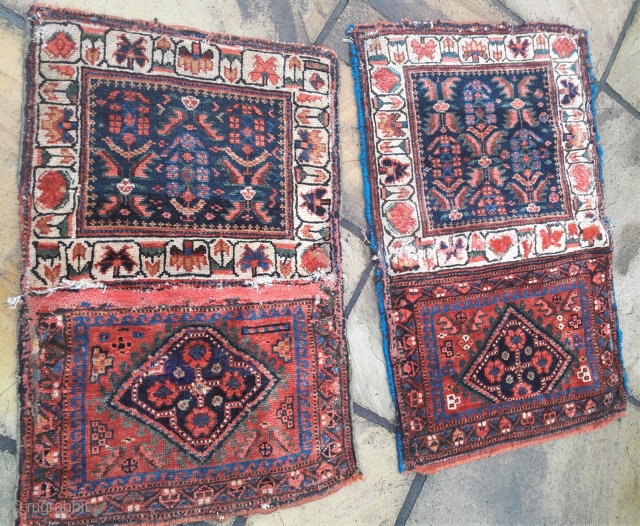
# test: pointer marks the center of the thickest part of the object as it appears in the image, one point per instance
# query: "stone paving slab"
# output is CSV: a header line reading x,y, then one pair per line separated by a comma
x,y
283,20
352,195
624,74
8,488
584,479
11,43
457,10
619,138
602,18
356,255
316,18
368,381
356,12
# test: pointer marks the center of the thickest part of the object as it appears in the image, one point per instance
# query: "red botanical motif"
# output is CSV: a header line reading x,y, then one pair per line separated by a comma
x,y
53,188
79,252
519,46
395,170
201,421
542,361
52,273
152,268
264,70
402,217
424,48
580,177
58,125
231,74
286,268
474,50
564,47
576,136
591,233
312,145
222,249
196,353
195,61
314,259
500,245
67,71
92,55
188,258
515,339
441,106
254,260
494,371
60,45
233,384
390,126
551,238
190,102
162,394
522,390
131,53
385,79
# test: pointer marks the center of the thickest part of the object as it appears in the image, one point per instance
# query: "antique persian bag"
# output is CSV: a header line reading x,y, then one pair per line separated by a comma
x,y
182,349
484,196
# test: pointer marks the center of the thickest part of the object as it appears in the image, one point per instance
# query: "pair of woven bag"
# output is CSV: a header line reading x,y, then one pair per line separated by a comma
x,y
182,341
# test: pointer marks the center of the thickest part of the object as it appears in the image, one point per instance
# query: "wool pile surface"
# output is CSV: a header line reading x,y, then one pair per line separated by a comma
x,y
483,179
192,178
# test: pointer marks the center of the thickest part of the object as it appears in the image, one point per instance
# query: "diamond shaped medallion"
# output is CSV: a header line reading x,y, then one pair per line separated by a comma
x,y
519,361
195,389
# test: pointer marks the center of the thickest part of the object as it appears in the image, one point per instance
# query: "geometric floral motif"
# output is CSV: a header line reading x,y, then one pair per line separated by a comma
x,y
216,176
495,259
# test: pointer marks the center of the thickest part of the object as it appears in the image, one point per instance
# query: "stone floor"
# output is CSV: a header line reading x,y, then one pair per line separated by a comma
x,y
592,478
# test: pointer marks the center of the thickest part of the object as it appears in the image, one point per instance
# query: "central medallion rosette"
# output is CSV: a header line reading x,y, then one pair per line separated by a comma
x,y
195,389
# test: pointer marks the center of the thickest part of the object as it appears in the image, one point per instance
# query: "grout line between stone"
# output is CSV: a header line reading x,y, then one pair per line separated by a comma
x,y
606,88
508,11
12,17
240,520
410,499
8,444
374,418
633,400
356,293
354,229
616,48
331,21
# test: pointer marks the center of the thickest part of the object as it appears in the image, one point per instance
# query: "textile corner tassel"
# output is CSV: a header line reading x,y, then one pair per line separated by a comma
x,y
483,186
182,339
